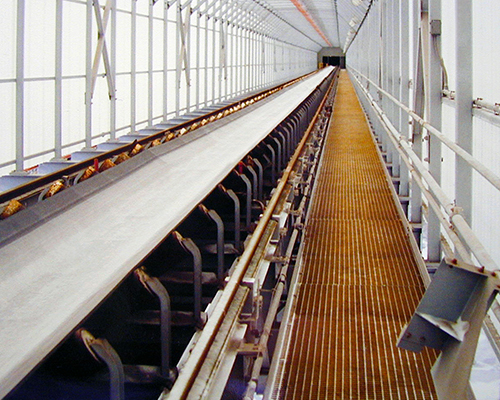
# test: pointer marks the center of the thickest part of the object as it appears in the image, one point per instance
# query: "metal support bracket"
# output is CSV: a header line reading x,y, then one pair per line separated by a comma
x,y
449,318
154,286
104,352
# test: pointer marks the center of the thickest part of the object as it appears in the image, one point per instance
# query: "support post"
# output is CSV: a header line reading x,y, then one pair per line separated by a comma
x,y
404,89
150,62
133,66
88,76
112,72
415,208
463,100
434,118
58,81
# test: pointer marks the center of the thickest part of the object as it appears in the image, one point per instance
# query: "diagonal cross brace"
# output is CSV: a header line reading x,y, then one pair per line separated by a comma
x,y
183,56
101,48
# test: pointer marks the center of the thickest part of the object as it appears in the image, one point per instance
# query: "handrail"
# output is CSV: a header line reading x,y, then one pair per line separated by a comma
x,y
478,103
415,164
40,182
188,374
482,104
489,175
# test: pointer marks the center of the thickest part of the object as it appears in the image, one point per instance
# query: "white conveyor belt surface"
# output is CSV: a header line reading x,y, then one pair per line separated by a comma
x,y
55,273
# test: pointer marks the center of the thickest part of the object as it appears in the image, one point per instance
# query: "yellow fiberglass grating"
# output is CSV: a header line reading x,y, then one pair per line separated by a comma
x,y
360,283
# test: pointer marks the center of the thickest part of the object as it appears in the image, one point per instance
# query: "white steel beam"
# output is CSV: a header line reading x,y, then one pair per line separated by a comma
x,y
112,72
58,81
205,86
434,117
214,20
20,31
197,92
133,66
150,61
165,59
463,110
415,208
404,87
88,75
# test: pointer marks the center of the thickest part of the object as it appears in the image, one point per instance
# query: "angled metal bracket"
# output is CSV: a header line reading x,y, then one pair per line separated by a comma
x,y
154,286
449,318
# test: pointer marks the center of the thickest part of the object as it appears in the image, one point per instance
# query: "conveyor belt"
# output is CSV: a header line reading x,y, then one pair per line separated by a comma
x,y
359,283
66,255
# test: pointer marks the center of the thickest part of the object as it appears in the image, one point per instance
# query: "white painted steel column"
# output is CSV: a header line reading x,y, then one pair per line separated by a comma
x,y
252,61
415,209
239,59
262,74
214,21
133,66
58,81
165,59
205,89
384,73
434,118
396,112
396,18
374,54
20,31
178,64
226,52
112,99
405,88
88,76
235,55
197,91
222,49
187,50
463,100
150,62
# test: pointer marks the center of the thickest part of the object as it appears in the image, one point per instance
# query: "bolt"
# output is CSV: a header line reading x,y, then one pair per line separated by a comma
x,y
408,335
493,274
481,269
422,339
454,261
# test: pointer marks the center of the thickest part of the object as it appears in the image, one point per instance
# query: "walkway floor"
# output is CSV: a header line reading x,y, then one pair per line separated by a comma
x,y
360,282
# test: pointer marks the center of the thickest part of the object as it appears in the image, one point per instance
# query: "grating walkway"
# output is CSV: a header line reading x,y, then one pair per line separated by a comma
x,y
360,283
